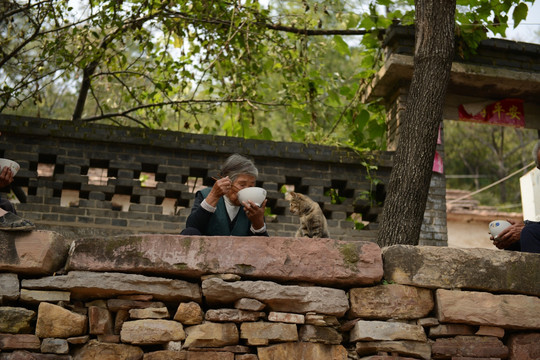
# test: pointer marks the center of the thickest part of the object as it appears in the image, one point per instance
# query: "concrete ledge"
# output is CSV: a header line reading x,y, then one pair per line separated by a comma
x,y
316,261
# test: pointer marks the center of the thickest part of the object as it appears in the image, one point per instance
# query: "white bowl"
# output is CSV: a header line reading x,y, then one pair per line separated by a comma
x,y
496,226
11,164
255,194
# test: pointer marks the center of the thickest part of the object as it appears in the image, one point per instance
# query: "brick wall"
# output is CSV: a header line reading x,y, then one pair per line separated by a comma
x,y
89,179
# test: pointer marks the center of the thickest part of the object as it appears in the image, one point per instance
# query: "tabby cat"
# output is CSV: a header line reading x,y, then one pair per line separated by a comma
x,y
312,220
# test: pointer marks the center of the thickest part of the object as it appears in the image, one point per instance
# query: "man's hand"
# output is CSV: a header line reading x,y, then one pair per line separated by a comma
x,y
6,177
509,235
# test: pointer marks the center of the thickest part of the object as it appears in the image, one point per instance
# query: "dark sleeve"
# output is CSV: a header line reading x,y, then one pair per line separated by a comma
x,y
199,217
7,205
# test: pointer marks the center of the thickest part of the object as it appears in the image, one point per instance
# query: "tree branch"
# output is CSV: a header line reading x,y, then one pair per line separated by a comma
x,y
279,27
90,69
169,103
19,9
319,32
6,57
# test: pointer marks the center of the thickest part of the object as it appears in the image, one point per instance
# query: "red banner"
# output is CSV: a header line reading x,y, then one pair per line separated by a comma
x,y
438,163
507,112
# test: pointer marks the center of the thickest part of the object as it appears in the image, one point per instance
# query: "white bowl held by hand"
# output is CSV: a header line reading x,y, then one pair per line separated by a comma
x,y
10,164
255,194
496,226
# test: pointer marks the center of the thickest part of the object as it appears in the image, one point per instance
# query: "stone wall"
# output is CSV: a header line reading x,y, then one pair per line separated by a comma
x,y
159,296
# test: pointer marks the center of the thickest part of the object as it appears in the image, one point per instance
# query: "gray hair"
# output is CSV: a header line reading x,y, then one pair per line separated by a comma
x,y
535,153
237,164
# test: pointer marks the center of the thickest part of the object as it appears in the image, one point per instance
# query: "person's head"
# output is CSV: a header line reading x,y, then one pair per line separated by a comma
x,y
536,156
242,173
236,165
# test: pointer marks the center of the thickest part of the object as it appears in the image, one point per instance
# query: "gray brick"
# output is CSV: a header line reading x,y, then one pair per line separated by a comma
x,y
154,209
137,216
170,218
103,221
138,223
72,169
71,161
119,222
67,218
30,215
70,210
101,213
52,201
138,208
172,169
149,200
72,178
126,174
85,219
125,165
94,195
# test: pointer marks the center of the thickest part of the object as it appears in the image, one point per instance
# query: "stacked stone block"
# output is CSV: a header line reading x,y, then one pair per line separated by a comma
x,y
225,298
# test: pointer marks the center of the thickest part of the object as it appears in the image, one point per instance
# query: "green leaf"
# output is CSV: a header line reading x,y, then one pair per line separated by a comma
x,y
384,2
520,13
341,46
266,134
333,99
363,119
353,21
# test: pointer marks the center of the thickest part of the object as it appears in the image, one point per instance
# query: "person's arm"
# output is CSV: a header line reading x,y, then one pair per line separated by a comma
x,y
202,209
509,235
200,214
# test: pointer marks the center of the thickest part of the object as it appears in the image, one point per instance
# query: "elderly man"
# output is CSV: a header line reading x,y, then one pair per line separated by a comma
x,y
523,236
217,210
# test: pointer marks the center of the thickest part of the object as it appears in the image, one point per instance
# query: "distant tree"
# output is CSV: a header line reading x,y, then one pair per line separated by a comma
x,y
467,148
214,67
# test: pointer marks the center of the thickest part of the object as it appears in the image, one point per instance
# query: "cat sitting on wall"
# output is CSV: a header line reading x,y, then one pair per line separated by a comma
x,y
312,221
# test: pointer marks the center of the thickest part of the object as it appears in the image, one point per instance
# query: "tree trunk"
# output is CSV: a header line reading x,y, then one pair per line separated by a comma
x,y
407,193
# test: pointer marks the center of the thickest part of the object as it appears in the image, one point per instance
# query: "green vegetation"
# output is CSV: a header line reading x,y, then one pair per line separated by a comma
x,y
287,70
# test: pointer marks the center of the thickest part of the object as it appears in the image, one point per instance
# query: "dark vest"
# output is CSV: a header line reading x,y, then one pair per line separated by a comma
x,y
220,224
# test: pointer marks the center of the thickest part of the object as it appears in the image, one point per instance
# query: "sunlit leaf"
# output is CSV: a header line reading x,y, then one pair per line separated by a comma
x,y
341,46
178,41
520,13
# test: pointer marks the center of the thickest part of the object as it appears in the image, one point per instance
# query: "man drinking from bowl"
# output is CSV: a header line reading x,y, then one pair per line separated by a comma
x,y
217,210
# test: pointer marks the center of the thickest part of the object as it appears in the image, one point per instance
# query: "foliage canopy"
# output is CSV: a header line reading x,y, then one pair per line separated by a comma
x,y
281,70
